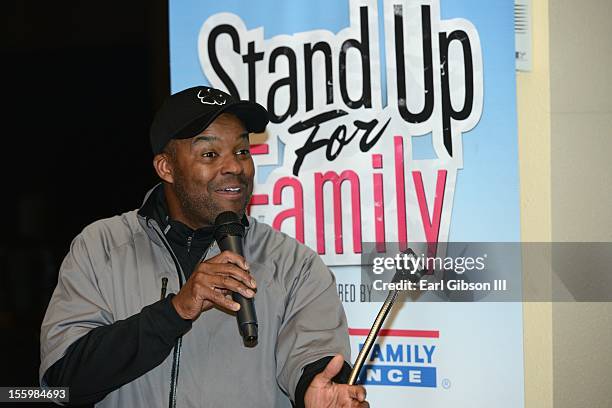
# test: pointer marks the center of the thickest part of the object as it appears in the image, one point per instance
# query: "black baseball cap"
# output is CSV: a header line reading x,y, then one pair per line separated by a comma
x,y
188,112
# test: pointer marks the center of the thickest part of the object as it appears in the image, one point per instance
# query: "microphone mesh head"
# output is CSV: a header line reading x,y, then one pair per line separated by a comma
x,y
228,223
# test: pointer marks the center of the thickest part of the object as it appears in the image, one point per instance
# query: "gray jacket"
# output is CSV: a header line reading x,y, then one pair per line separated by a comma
x,y
115,268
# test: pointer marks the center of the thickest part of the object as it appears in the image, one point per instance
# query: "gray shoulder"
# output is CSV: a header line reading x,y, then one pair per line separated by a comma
x,y
272,244
104,235
293,263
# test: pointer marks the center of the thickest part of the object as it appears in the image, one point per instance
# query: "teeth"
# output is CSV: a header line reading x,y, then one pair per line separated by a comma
x,y
232,189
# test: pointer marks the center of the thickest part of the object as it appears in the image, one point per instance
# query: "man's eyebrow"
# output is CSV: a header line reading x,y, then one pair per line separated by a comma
x,y
213,138
204,138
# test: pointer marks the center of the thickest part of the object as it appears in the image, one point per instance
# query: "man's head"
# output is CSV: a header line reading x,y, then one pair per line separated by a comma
x,y
200,138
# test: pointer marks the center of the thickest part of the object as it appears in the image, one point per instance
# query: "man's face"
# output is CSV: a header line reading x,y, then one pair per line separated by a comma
x,y
213,171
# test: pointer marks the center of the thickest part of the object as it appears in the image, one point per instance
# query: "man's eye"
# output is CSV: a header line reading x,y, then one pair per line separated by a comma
x,y
209,154
243,152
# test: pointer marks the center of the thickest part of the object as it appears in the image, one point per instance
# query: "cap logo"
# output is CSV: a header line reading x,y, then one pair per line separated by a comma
x,y
209,99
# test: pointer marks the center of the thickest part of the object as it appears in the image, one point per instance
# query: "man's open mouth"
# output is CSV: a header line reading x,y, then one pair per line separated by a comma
x,y
229,190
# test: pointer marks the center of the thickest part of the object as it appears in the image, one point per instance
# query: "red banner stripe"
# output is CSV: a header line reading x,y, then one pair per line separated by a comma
x,y
259,199
259,148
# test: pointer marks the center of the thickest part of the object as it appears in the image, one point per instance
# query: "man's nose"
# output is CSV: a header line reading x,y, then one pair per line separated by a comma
x,y
231,165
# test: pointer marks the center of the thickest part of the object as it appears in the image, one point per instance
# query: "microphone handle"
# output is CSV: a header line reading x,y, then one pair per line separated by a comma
x,y
246,316
247,320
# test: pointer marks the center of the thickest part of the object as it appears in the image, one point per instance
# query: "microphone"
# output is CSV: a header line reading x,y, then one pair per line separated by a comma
x,y
400,274
228,234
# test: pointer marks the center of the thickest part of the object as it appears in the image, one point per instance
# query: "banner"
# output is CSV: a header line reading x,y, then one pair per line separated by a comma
x,y
392,122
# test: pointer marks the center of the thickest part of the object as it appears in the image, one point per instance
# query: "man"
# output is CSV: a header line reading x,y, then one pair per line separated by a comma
x,y
109,337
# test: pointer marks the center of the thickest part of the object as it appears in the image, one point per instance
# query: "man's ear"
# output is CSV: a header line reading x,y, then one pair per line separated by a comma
x,y
163,167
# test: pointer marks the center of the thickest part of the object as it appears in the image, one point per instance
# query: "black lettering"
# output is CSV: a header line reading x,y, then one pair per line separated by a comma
x,y
401,70
290,81
448,112
310,145
346,293
214,61
364,143
339,135
250,58
338,138
329,85
364,50
366,292
352,293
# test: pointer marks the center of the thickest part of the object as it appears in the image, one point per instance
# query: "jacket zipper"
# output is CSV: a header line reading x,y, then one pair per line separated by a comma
x,y
176,357
164,288
179,270
189,240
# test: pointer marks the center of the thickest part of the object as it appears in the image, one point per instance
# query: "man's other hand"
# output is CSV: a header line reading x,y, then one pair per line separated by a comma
x,y
324,393
211,284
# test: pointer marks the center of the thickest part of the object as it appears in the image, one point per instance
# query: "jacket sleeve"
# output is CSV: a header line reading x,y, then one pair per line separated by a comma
x,y
314,324
81,341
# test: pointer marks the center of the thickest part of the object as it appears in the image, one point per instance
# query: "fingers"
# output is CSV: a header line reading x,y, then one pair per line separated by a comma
x,y
206,289
230,264
356,397
333,368
357,392
230,257
210,283
228,282
323,392
219,298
